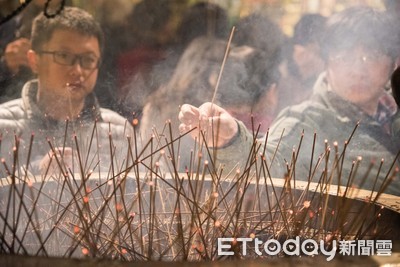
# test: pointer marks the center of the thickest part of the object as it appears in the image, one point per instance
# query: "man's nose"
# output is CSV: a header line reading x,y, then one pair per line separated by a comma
x,y
76,65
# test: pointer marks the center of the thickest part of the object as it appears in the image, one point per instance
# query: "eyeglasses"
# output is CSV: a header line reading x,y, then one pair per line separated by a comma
x,y
350,57
86,61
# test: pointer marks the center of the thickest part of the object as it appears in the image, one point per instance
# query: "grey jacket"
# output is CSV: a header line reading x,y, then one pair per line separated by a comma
x,y
22,117
332,120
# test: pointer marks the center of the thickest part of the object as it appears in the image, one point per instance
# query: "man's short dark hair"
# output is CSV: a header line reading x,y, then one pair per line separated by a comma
x,y
309,29
259,31
71,18
363,26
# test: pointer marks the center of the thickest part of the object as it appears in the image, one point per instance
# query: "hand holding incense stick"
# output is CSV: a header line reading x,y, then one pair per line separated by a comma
x,y
218,125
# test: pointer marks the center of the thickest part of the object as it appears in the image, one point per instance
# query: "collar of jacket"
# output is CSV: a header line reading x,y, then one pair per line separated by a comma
x,y
90,111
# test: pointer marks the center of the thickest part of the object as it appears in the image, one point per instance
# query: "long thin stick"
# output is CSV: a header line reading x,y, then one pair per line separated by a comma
x,y
223,64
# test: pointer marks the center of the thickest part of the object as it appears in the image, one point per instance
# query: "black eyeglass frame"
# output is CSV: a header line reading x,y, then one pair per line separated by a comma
x,y
76,57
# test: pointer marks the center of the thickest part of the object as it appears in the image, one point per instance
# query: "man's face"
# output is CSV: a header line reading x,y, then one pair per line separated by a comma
x,y
63,81
359,75
308,60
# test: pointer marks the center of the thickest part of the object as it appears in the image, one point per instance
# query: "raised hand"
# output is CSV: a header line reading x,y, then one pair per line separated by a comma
x,y
15,54
218,126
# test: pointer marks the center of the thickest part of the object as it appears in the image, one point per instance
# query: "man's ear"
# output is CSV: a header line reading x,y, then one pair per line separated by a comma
x,y
33,60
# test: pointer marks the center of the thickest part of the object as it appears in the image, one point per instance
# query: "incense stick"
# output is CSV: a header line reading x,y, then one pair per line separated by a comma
x,y
223,64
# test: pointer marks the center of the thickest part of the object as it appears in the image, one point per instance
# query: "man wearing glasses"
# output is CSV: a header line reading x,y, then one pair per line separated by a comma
x,y
59,107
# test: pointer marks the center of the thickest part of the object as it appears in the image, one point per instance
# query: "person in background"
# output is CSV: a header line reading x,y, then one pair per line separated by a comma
x,y
65,55
359,49
303,63
199,19
14,45
258,31
113,18
242,89
148,31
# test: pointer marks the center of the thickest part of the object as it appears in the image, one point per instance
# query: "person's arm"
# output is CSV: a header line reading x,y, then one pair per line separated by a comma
x,y
229,137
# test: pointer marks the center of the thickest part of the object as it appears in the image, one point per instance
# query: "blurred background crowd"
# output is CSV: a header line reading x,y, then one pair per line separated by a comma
x,y
160,54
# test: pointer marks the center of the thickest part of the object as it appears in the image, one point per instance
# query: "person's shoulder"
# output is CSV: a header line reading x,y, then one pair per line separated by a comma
x,y
12,115
12,110
310,114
